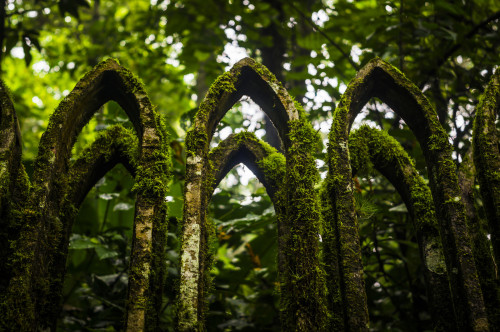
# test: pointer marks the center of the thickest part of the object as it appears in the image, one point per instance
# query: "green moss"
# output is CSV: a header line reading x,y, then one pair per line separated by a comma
x,y
303,287
274,166
223,83
379,79
438,141
48,206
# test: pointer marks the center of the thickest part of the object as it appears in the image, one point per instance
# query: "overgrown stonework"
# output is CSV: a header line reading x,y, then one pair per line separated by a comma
x,y
321,284
14,184
301,283
32,299
380,79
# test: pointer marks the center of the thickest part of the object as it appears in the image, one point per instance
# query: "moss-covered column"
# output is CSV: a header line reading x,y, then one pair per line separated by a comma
x,y
191,297
147,266
483,257
300,310
14,186
330,261
379,79
342,237
486,140
35,289
369,148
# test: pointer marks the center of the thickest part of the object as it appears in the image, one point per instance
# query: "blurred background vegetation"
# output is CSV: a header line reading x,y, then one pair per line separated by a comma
x,y
448,49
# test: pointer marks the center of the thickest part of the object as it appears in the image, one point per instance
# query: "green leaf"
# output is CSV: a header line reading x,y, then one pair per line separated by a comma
x,y
103,252
401,208
84,243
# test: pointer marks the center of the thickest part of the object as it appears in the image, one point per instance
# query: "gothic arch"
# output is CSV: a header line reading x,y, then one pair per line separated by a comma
x,y
380,79
113,146
40,248
264,161
252,79
307,310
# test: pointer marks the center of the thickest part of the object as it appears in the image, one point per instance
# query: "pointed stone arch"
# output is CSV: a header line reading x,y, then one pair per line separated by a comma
x,y
42,239
264,161
380,79
307,309
246,77
115,145
486,144
371,147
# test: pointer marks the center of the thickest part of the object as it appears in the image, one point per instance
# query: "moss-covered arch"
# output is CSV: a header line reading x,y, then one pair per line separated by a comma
x,y
115,145
380,79
264,161
485,141
370,147
32,291
302,305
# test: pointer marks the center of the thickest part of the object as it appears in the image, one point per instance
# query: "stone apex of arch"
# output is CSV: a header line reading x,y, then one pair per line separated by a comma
x,y
246,77
380,79
106,81
263,160
371,147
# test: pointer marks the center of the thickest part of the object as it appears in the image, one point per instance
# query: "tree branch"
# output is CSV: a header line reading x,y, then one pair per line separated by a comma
x,y
331,41
457,46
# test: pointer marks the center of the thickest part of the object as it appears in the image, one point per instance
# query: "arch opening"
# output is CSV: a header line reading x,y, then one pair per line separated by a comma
x,y
108,114
244,272
100,241
377,114
395,288
244,115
